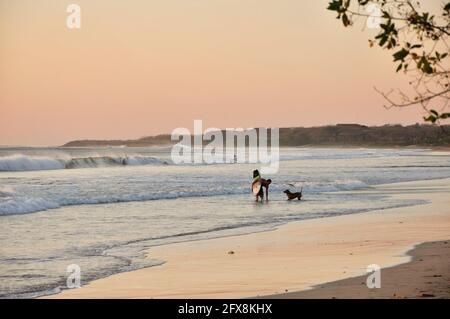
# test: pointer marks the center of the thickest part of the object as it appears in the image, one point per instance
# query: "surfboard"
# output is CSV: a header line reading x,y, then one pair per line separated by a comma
x,y
256,187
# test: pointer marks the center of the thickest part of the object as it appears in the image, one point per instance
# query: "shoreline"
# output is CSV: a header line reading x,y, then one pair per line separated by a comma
x,y
293,257
429,267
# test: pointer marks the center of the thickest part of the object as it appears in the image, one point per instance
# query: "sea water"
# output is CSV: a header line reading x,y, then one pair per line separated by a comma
x,y
104,208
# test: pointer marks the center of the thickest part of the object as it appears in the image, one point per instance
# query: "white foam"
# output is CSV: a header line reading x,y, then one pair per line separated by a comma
x,y
29,163
330,186
21,162
16,205
12,203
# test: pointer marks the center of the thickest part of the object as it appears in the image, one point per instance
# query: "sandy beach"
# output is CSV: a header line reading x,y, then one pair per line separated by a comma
x,y
295,257
426,276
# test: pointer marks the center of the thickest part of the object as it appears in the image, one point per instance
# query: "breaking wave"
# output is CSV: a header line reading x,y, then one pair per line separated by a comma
x,y
13,203
33,163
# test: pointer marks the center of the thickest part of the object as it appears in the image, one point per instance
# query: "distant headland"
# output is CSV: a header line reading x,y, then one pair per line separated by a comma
x,y
330,135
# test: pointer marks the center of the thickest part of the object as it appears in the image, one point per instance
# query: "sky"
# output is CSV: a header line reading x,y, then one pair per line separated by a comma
x,y
144,67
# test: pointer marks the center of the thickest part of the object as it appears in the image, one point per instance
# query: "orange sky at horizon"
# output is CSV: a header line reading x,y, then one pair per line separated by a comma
x,y
138,68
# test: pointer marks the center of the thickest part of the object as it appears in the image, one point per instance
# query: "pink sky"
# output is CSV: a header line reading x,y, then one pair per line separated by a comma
x,y
139,68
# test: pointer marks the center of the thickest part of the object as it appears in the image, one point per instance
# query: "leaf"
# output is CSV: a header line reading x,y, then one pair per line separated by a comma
x,y
434,116
424,65
430,118
447,7
345,20
335,5
386,14
383,40
400,55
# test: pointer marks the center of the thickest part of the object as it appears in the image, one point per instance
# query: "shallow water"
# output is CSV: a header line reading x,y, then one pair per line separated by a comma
x,y
103,208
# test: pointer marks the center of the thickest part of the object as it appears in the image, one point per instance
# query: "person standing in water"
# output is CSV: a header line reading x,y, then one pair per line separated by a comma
x,y
264,184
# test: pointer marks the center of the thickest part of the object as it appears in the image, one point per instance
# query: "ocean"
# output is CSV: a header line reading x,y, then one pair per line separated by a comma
x,y
104,208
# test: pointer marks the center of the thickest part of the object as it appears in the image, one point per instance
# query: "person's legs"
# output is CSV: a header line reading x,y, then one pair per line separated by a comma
x,y
261,193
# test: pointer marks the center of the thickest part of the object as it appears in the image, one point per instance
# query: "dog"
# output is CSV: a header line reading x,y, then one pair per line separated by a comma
x,y
292,196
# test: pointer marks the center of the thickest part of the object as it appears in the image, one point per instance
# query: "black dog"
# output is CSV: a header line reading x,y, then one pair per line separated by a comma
x,y
292,196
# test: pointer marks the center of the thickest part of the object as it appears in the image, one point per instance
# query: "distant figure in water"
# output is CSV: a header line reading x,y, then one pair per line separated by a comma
x,y
264,184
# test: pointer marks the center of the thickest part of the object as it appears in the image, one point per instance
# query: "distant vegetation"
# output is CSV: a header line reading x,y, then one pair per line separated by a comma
x,y
332,135
144,141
